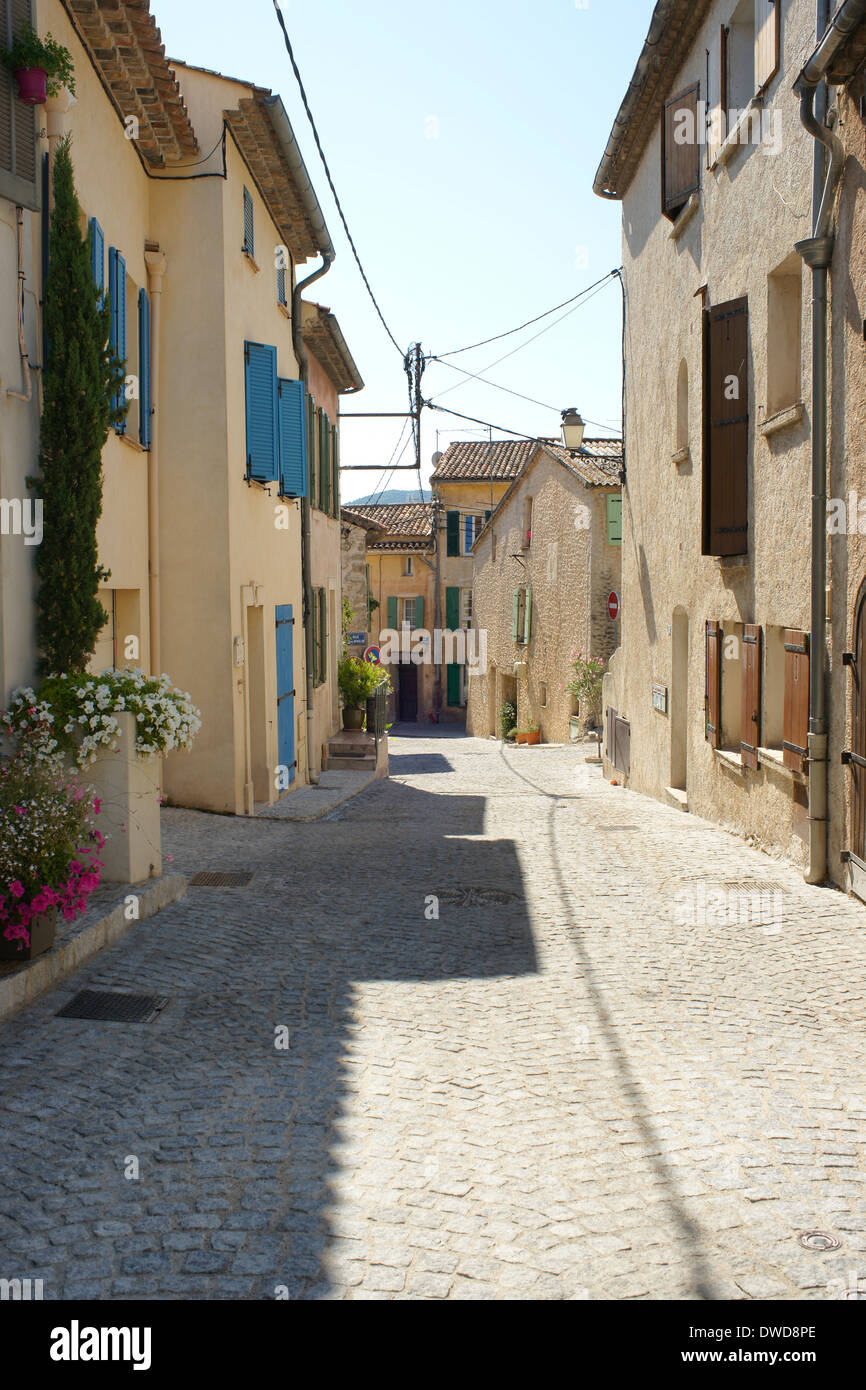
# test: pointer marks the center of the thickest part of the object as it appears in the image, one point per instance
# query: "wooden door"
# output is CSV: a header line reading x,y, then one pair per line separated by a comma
x,y
286,689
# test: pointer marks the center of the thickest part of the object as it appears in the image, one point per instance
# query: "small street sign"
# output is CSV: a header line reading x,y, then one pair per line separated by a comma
x,y
356,639
613,605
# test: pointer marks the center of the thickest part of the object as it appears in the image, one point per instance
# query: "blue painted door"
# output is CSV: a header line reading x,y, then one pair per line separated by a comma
x,y
286,689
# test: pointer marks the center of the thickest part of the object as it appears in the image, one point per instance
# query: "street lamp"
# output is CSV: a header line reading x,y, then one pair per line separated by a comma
x,y
572,429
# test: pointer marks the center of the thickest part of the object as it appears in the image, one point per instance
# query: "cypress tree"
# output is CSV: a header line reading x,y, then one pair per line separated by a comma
x,y
81,377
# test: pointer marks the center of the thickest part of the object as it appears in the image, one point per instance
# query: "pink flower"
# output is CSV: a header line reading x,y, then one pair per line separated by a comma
x,y
16,889
97,805
19,810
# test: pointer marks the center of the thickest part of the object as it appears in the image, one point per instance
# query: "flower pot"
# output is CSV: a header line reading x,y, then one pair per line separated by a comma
x,y
534,736
42,929
32,85
521,738
353,718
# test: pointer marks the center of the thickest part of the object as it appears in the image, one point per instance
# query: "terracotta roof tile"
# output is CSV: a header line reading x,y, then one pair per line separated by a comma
x,y
410,520
597,463
496,460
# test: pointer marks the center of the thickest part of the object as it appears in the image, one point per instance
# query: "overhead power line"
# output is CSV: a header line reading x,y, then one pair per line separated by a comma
x,y
533,438
456,351
302,89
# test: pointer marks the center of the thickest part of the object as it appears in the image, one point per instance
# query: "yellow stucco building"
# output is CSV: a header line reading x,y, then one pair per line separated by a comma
x,y
220,522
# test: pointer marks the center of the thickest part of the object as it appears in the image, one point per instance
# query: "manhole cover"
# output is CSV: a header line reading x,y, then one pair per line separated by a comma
x,y
112,1006
469,897
216,880
820,1240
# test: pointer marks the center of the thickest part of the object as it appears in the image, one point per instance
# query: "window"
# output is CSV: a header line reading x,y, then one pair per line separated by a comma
x,y
784,315
526,536
472,526
466,608
117,297
521,630
409,613
750,713
17,119
249,245
681,151
281,286
767,41
326,464
542,695
724,697
773,692
313,450
97,254
740,57
726,429
614,518
408,567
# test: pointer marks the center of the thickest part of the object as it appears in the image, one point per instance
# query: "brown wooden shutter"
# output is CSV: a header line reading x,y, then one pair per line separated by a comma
x,y
713,695
17,119
750,720
681,162
795,743
726,429
767,33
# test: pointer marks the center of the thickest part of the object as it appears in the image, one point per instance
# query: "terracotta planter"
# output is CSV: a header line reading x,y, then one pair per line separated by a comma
x,y
533,737
32,85
353,718
42,929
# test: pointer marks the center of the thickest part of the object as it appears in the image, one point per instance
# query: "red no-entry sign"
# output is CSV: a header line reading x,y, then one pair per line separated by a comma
x,y
613,606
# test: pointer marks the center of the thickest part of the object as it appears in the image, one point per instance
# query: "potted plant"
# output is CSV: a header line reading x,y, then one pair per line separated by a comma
x,y
117,725
49,848
507,719
586,687
358,681
42,67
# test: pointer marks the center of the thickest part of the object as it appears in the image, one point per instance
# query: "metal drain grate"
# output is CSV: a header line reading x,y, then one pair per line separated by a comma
x,y
468,897
113,1006
751,885
820,1240
223,880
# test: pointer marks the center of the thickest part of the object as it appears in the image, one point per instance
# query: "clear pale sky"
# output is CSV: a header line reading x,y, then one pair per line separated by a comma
x,y
463,137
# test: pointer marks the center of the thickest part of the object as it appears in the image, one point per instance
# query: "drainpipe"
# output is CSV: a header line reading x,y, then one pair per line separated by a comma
x,y
303,361
817,253
156,266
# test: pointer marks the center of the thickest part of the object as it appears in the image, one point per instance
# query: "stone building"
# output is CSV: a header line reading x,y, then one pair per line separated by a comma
x,y
356,532
469,481
708,696
545,565
401,574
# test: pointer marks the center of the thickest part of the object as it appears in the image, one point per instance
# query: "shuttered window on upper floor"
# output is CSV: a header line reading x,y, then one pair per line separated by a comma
x,y
97,254
117,305
681,150
18,163
726,429
614,518
249,245
796,719
750,716
293,438
768,26
262,412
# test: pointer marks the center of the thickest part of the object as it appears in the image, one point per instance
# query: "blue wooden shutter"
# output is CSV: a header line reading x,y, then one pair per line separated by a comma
x,y
263,446
249,225
97,254
293,439
286,689
144,368
117,293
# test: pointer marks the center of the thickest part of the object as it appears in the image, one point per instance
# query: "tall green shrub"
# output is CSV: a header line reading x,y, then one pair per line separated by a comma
x,y
81,376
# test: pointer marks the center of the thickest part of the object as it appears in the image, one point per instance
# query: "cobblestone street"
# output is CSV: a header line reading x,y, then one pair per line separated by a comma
x,y
561,1088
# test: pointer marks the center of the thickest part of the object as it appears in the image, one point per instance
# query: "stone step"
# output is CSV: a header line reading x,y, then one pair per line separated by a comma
x,y
360,763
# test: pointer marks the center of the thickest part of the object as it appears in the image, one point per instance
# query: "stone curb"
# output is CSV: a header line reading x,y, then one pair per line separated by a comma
x,y
47,971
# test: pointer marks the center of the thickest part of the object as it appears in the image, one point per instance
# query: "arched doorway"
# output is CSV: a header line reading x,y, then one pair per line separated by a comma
x,y
679,699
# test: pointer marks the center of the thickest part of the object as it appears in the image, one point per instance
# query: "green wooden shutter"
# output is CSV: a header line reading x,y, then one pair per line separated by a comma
x,y
515,624
419,612
527,617
314,624
324,463
452,521
392,613
614,518
452,609
335,471
453,678
323,635
313,450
